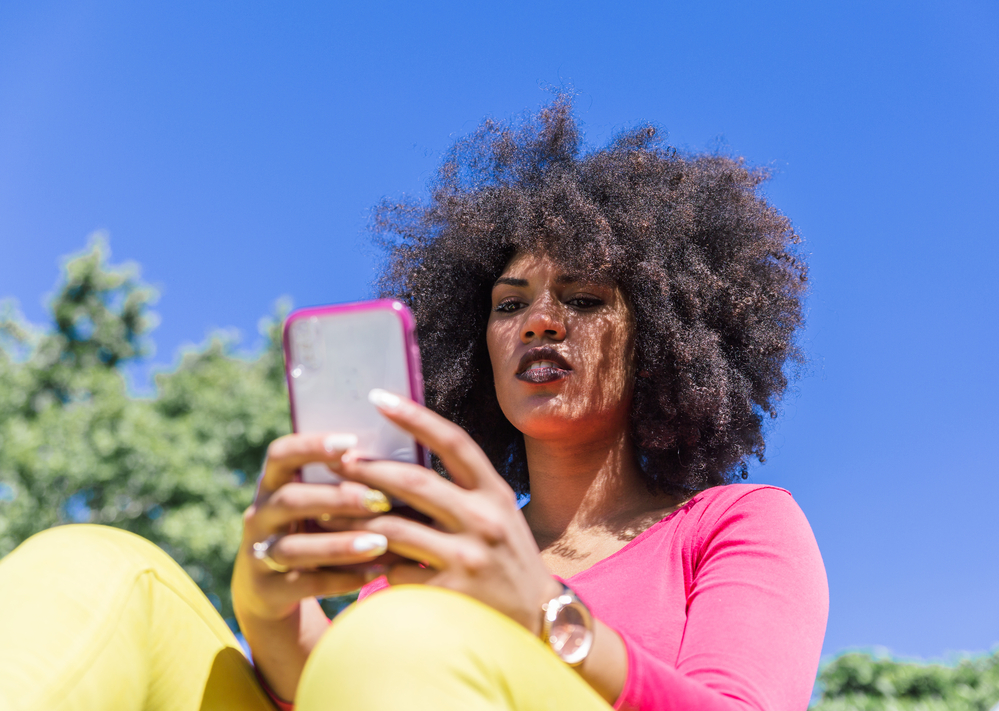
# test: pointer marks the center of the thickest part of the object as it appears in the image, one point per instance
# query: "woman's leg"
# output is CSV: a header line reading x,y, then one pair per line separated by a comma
x,y
421,648
97,618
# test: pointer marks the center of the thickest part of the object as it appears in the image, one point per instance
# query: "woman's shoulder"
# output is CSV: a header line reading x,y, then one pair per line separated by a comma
x,y
761,496
769,511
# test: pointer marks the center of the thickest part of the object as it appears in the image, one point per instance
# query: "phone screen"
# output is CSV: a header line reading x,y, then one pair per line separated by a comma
x,y
334,357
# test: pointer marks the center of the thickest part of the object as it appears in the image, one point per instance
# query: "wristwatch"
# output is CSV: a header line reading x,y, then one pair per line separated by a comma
x,y
567,627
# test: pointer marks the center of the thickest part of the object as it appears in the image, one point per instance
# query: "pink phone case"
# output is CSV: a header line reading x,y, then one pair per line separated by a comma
x,y
334,356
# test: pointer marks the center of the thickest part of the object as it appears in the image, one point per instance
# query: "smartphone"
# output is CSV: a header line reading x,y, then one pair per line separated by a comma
x,y
334,356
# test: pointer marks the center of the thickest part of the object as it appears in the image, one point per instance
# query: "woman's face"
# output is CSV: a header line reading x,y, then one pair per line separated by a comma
x,y
561,348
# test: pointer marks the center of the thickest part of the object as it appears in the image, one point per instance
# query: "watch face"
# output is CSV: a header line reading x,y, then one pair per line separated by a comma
x,y
570,638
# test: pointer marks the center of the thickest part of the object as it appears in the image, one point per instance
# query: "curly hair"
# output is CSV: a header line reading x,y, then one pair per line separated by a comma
x,y
710,268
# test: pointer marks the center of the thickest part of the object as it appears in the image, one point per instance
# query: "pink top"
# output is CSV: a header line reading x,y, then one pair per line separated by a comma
x,y
722,604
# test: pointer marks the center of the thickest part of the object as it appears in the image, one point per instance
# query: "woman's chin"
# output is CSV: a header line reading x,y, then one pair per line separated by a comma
x,y
555,421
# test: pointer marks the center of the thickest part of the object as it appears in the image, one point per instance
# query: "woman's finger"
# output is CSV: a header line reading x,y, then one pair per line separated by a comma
x,y
286,589
462,457
286,455
422,488
297,502
320,550
409,574
434,548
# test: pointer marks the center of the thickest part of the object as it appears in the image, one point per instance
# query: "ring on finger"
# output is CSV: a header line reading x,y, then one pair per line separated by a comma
x,y
262,552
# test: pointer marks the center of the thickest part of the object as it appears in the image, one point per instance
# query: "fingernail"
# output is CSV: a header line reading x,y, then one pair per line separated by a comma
x,y
340,442
373,543
384,399
375,501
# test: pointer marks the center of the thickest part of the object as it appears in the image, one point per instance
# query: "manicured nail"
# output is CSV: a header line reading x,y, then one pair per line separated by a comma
x,y
340,442
373,543
384,399
375,501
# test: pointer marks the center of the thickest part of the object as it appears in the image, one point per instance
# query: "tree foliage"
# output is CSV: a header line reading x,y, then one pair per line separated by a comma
x,y
862,682
178,468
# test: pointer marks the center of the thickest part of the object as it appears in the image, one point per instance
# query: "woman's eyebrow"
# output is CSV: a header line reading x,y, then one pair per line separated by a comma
x,y
510,281
563,279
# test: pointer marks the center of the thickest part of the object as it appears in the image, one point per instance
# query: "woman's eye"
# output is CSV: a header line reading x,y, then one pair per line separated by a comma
x,y
508,307
585,302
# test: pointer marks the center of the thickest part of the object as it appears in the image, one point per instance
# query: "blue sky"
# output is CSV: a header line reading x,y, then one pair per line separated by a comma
x,y
234,150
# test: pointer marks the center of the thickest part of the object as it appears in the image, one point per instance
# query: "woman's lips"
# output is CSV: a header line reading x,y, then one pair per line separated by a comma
x,y
543,371
542,364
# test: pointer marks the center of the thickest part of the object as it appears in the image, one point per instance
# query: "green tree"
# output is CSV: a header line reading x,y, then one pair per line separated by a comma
x,y
177,469
862,682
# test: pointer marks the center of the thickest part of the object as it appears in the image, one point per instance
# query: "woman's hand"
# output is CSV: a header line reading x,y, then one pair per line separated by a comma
x,y
481,545
278,611
311,558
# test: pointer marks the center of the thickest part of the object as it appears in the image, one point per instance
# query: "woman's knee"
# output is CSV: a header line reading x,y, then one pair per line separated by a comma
x,y
397,643
413,625
427,648
76,553
418,617
87,540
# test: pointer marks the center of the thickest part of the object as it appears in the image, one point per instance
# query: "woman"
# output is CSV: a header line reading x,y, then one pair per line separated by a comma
x,y
604,333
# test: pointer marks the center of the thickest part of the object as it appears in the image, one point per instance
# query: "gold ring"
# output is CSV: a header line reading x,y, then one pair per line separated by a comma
x,y
262,552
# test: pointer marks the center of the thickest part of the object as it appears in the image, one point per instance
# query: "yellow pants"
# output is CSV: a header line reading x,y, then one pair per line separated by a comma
x,y
94,618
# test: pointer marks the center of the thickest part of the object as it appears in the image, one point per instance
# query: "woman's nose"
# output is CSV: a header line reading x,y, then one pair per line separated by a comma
x,y
543,320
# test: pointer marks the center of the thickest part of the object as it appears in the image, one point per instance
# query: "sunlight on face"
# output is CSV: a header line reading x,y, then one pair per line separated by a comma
x,y
561,348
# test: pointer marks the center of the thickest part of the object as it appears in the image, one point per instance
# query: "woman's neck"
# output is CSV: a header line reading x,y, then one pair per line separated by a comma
x,y
585,486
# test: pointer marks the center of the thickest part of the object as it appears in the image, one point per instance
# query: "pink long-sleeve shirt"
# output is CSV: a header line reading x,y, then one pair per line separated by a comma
x,y
722,605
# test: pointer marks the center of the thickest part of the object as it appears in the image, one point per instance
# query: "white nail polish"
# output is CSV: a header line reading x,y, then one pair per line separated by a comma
x,y
340,442
384,399
374,543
